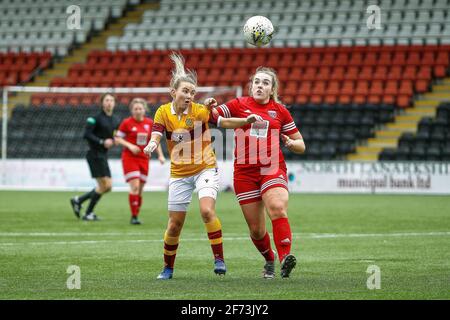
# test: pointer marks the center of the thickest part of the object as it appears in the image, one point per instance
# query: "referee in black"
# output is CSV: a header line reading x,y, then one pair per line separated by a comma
x,y
99,133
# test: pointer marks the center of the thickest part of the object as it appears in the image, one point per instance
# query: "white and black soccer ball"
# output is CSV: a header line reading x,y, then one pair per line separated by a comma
x,y
258,31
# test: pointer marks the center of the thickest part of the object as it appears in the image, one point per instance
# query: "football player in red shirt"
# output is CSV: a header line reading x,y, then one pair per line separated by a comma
x,y
260,179
134,134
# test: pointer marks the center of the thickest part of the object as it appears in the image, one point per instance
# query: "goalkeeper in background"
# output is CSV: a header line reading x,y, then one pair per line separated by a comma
x,y
99,134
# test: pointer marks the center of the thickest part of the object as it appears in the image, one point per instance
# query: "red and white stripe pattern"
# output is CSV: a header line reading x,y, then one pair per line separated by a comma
x,y
248,195
143,177
158,129
226,112
132,175
288,127
272,182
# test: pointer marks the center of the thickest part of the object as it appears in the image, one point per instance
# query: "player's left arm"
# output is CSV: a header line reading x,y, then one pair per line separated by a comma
x,y
290,135
160,152
294,142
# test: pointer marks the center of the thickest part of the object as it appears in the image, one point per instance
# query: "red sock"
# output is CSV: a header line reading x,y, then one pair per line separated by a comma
x,y
282,236
140,201
133,199
263,246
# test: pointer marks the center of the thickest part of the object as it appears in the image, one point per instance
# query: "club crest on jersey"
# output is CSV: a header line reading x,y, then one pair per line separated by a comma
x,y
177,137
146,127
272,114
189,122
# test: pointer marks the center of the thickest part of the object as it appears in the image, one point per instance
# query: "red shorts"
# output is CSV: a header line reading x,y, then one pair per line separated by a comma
x,y
135,168
250,185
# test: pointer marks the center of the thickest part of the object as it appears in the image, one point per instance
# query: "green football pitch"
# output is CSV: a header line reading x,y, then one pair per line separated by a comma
x,y
336,239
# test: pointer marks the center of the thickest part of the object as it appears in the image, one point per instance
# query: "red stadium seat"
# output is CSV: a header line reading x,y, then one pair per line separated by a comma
x,y
309,73
374,74
406,88
333,88
403,101
380,73
330,99
366,73
388,99
356,59
421,86
409,73
314,60
399,58
305,88
323,73
300,60
286,60
352,73
370,59
385,59
347,88
342,59
338,73
424,73
395,73
318,88
391,88
376,88
328,60
374,99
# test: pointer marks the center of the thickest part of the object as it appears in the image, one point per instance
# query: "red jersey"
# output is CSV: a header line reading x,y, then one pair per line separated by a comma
x,y
258,144
137,133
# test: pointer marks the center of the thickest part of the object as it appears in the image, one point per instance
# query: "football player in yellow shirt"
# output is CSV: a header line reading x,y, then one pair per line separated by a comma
x,y
193,162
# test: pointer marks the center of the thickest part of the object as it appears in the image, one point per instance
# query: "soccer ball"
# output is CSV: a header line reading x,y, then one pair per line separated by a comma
x,y
258,31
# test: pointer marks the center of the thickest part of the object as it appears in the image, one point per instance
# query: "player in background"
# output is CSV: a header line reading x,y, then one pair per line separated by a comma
x,y
134,134
260,174
99,134
193,163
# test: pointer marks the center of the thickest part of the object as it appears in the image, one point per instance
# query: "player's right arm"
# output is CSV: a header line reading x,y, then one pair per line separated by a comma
x,y
157,132
152,144
233,123
133,148
119,139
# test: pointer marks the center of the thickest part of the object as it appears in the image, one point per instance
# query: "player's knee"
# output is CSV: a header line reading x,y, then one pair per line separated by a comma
x,y
257,233
134,189
174,227
107,187
208,214
277,209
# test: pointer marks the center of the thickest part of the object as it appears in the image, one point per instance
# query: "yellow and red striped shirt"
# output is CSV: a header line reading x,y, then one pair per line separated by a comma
x,y
188,138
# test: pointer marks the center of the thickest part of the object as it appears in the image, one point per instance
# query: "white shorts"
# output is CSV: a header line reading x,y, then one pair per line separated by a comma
x,y
205,182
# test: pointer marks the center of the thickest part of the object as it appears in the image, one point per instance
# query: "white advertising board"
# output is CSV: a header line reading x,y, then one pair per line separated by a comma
x,y
307,176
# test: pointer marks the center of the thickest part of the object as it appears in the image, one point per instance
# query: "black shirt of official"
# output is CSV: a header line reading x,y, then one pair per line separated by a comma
x,y
98,129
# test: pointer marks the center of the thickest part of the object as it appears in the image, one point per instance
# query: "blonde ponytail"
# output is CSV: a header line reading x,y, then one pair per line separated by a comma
x,y
179,73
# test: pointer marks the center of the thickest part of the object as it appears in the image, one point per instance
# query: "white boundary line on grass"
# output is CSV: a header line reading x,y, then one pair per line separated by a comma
x,y
240,238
